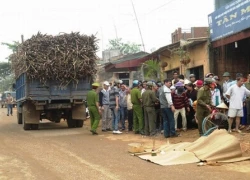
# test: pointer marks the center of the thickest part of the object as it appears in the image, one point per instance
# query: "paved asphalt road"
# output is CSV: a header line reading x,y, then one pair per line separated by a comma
x,y
56,152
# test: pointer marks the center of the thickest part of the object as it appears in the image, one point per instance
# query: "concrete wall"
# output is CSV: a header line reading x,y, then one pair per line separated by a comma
x,y
108,55
194,32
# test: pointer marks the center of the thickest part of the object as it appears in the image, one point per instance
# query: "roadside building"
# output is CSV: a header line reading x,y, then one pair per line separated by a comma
x,y
188,53
230,37
127,66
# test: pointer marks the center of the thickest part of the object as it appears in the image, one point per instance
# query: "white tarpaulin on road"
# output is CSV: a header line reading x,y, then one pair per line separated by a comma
x,y
217,147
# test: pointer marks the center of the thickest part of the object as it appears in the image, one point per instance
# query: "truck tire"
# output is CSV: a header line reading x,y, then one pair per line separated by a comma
x,y
30,116
34,126
19,118
25,126
71,122
79,123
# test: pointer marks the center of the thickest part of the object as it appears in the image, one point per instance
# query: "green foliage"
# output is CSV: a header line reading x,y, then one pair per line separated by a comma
x,y
182,53
125,48
12,46
6,84
5,69
152,70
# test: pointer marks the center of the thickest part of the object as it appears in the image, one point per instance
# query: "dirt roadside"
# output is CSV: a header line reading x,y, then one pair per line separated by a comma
x,y
56,152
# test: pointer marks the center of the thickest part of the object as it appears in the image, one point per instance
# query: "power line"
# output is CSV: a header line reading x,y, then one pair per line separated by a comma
x,y
159,7
138,26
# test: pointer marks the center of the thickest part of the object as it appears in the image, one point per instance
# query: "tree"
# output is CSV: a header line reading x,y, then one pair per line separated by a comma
x,y
12,46
125,48
151,70
5,69
7,83
6,76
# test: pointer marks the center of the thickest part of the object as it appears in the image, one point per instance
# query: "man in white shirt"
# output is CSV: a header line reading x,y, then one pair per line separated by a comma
x,y
236,94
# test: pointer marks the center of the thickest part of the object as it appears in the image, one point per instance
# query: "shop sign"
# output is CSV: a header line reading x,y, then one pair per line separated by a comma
x,y
229,19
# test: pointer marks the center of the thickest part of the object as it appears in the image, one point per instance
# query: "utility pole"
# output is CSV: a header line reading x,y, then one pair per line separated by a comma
x,y
138,26
22,38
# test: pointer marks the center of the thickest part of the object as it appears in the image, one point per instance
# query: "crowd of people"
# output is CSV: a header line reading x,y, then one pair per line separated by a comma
x,y
171,106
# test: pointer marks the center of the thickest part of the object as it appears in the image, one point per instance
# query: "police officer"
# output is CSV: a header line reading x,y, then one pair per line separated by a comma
x,y
137,108
148,101
93,106
204,102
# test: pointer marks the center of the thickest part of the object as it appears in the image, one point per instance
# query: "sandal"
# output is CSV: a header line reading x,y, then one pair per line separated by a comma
x,y
248,128
242,127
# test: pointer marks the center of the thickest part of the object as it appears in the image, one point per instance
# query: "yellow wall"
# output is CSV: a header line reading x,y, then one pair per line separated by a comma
x,y
198,54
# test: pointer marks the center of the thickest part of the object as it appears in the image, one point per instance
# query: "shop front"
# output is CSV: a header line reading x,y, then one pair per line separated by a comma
x,y
230,38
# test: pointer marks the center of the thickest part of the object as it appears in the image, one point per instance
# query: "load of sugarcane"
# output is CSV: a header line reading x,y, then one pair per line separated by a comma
x,y
65,58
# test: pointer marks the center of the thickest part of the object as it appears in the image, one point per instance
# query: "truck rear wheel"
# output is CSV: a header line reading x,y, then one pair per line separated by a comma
x,y
19,118
34,126
79,123
25,125
30,116
71,122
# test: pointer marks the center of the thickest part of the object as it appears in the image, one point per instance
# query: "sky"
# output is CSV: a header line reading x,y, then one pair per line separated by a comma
x,y
107,19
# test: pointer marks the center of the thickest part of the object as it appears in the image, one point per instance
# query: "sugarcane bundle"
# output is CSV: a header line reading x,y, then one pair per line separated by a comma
x,y
64,58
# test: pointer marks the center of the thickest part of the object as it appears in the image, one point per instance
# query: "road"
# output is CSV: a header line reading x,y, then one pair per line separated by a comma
x,y
56,152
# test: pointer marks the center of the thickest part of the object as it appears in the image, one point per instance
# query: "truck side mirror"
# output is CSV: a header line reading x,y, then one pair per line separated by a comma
x,y
13,86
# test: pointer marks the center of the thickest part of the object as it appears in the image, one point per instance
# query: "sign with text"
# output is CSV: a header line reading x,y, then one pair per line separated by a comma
x,y
229,19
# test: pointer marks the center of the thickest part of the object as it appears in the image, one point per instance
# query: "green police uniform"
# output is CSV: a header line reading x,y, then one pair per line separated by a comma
x,y
203,99
148,102
137,110
92,99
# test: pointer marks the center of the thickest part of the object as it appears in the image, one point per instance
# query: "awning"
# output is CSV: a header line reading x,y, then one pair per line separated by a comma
x,y
128,63
236,37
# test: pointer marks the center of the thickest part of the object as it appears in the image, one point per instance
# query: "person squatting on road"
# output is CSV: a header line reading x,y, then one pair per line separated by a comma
x,y
148,102
9,102
181,102
204,103
168,109
104,104
138,122
93,105
236,95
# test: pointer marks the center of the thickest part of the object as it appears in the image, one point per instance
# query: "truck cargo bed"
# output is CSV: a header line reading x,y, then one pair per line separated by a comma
x,y
30,89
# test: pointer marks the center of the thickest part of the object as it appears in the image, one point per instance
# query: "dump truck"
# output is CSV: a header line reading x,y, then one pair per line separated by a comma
x,y
37,101
53,75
